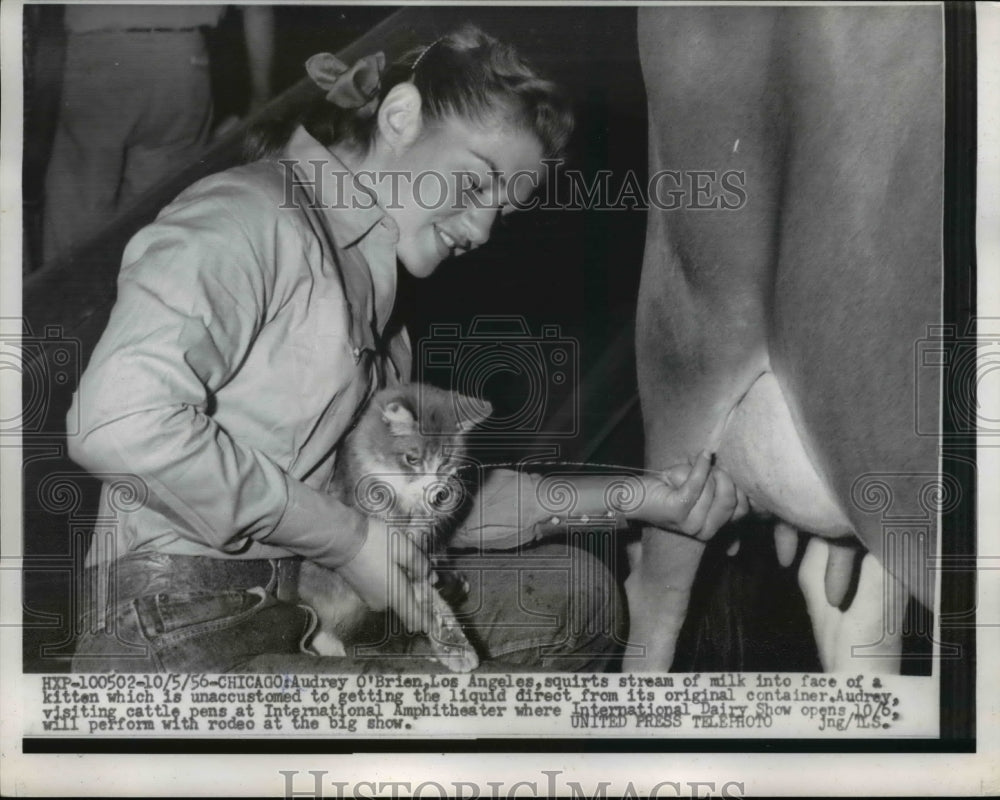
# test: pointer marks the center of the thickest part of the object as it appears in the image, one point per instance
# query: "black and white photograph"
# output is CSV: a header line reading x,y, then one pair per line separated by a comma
x,y
509,400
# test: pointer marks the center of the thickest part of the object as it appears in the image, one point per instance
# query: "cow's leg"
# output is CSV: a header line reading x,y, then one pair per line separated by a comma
x,y
658,589
817,287
701,325
858,283
866,637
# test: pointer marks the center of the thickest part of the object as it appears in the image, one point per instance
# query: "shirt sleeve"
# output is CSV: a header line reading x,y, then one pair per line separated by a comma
x,y
507,512
193,293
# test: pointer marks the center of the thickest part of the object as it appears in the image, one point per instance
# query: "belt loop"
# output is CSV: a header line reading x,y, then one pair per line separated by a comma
x,y
287,573
107,594
273,582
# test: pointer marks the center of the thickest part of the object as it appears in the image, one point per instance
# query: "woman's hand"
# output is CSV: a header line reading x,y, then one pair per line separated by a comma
x,y
384,572
693,500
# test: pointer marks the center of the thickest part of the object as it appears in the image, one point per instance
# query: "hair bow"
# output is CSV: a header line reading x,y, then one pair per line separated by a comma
x,y
353,88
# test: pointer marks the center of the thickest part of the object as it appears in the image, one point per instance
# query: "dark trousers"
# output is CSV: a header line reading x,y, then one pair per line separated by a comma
x,y
552,608
135,108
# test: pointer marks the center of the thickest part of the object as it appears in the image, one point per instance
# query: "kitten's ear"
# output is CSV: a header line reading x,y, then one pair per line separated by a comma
x,y
473,412
399,418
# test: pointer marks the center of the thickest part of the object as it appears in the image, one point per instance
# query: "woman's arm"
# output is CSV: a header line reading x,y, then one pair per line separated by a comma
x,y
193,295
517,508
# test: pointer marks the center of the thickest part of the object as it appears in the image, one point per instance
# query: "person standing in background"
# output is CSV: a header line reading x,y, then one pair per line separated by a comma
x,y
136,105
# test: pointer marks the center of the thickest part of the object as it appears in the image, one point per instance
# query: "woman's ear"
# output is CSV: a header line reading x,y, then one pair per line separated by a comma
x,y
400,118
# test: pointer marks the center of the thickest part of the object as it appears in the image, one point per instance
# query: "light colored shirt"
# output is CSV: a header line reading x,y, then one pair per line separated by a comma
x,y
242,345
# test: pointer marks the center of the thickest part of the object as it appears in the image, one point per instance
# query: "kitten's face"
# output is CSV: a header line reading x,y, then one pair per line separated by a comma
x,y
413,440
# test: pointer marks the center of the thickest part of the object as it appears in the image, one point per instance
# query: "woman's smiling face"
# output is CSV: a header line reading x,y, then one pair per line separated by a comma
x,y
445,186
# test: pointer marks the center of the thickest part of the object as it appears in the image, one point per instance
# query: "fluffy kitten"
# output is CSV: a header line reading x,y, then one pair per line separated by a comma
x,y
398,463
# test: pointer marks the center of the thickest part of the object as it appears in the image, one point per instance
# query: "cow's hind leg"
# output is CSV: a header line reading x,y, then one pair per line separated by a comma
x,y
866,637
658,590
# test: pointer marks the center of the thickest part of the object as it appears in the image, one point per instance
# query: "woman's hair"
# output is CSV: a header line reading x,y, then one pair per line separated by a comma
x,y
465,74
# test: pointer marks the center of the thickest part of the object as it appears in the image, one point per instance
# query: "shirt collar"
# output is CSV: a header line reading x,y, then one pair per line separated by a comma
x,y
351,210
354,220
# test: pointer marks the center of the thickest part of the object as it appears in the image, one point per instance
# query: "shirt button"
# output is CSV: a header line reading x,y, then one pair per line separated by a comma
x,y
356,352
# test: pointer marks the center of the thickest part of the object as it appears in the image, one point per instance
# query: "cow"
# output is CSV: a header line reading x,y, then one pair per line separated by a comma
x,y
780,333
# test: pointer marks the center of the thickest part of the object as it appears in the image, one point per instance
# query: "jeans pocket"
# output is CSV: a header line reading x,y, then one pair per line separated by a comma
x,y
115,643
177,616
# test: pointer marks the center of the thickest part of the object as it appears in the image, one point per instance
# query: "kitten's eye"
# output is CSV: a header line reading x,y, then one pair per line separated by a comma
x,y
411,459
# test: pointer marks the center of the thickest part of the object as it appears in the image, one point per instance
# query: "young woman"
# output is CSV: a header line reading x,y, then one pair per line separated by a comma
x,y
254,320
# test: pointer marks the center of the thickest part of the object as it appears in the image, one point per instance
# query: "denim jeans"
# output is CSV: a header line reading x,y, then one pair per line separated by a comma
x,y
551,608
